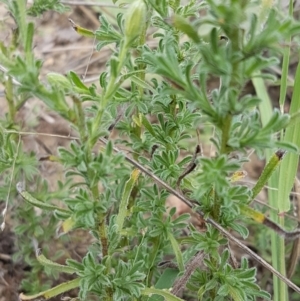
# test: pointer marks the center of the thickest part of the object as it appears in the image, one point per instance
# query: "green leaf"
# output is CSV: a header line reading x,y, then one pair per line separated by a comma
x,y
165,293
125,199
29,40
31,200
183,25
114,66
165,281
55,266
147,125
75,264
59,81
40,6
52,292
160,6
177,251
267,172
77,81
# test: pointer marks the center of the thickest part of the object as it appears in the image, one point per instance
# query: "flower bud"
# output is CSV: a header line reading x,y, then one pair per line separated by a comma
x,y
135,20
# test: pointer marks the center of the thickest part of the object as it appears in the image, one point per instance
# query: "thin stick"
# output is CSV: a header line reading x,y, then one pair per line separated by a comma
x,y
5,71
89,60
191,166
191,266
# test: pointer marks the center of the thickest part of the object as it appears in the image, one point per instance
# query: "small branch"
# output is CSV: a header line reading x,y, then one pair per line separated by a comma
x,y
192,165
191,266
80,119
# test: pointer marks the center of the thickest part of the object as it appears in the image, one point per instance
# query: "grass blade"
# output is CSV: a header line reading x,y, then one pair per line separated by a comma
x,y
289,165
277,243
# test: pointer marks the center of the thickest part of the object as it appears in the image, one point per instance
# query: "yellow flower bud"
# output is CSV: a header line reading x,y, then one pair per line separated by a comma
x,y
135,19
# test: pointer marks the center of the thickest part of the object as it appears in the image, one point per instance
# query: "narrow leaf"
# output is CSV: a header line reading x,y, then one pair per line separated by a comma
x,y
52,292
77,81
125,198
33,201
55,266
183,25
29,39
165,293
147,125
289,166
82,31
177,251
267,172
68,225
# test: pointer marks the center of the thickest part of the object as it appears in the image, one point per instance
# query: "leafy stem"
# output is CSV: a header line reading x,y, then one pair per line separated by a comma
x,y
10,98
110,90
225,133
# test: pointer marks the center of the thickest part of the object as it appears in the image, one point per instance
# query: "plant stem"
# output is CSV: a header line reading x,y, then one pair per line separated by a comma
x,y
9,98
225,133
156,246
109,92
103,236
285,66
80,120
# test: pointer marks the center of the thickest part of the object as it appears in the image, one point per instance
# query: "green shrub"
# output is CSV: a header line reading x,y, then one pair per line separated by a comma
x,y
121,199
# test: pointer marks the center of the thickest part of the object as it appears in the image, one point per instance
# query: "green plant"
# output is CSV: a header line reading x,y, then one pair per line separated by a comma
x,y
125,208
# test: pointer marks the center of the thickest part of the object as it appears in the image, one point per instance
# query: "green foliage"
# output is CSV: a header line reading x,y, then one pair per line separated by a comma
x,y
222,281
39,7
161,115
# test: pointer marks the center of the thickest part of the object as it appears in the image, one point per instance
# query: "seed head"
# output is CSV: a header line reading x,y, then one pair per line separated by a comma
x,y
135,20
